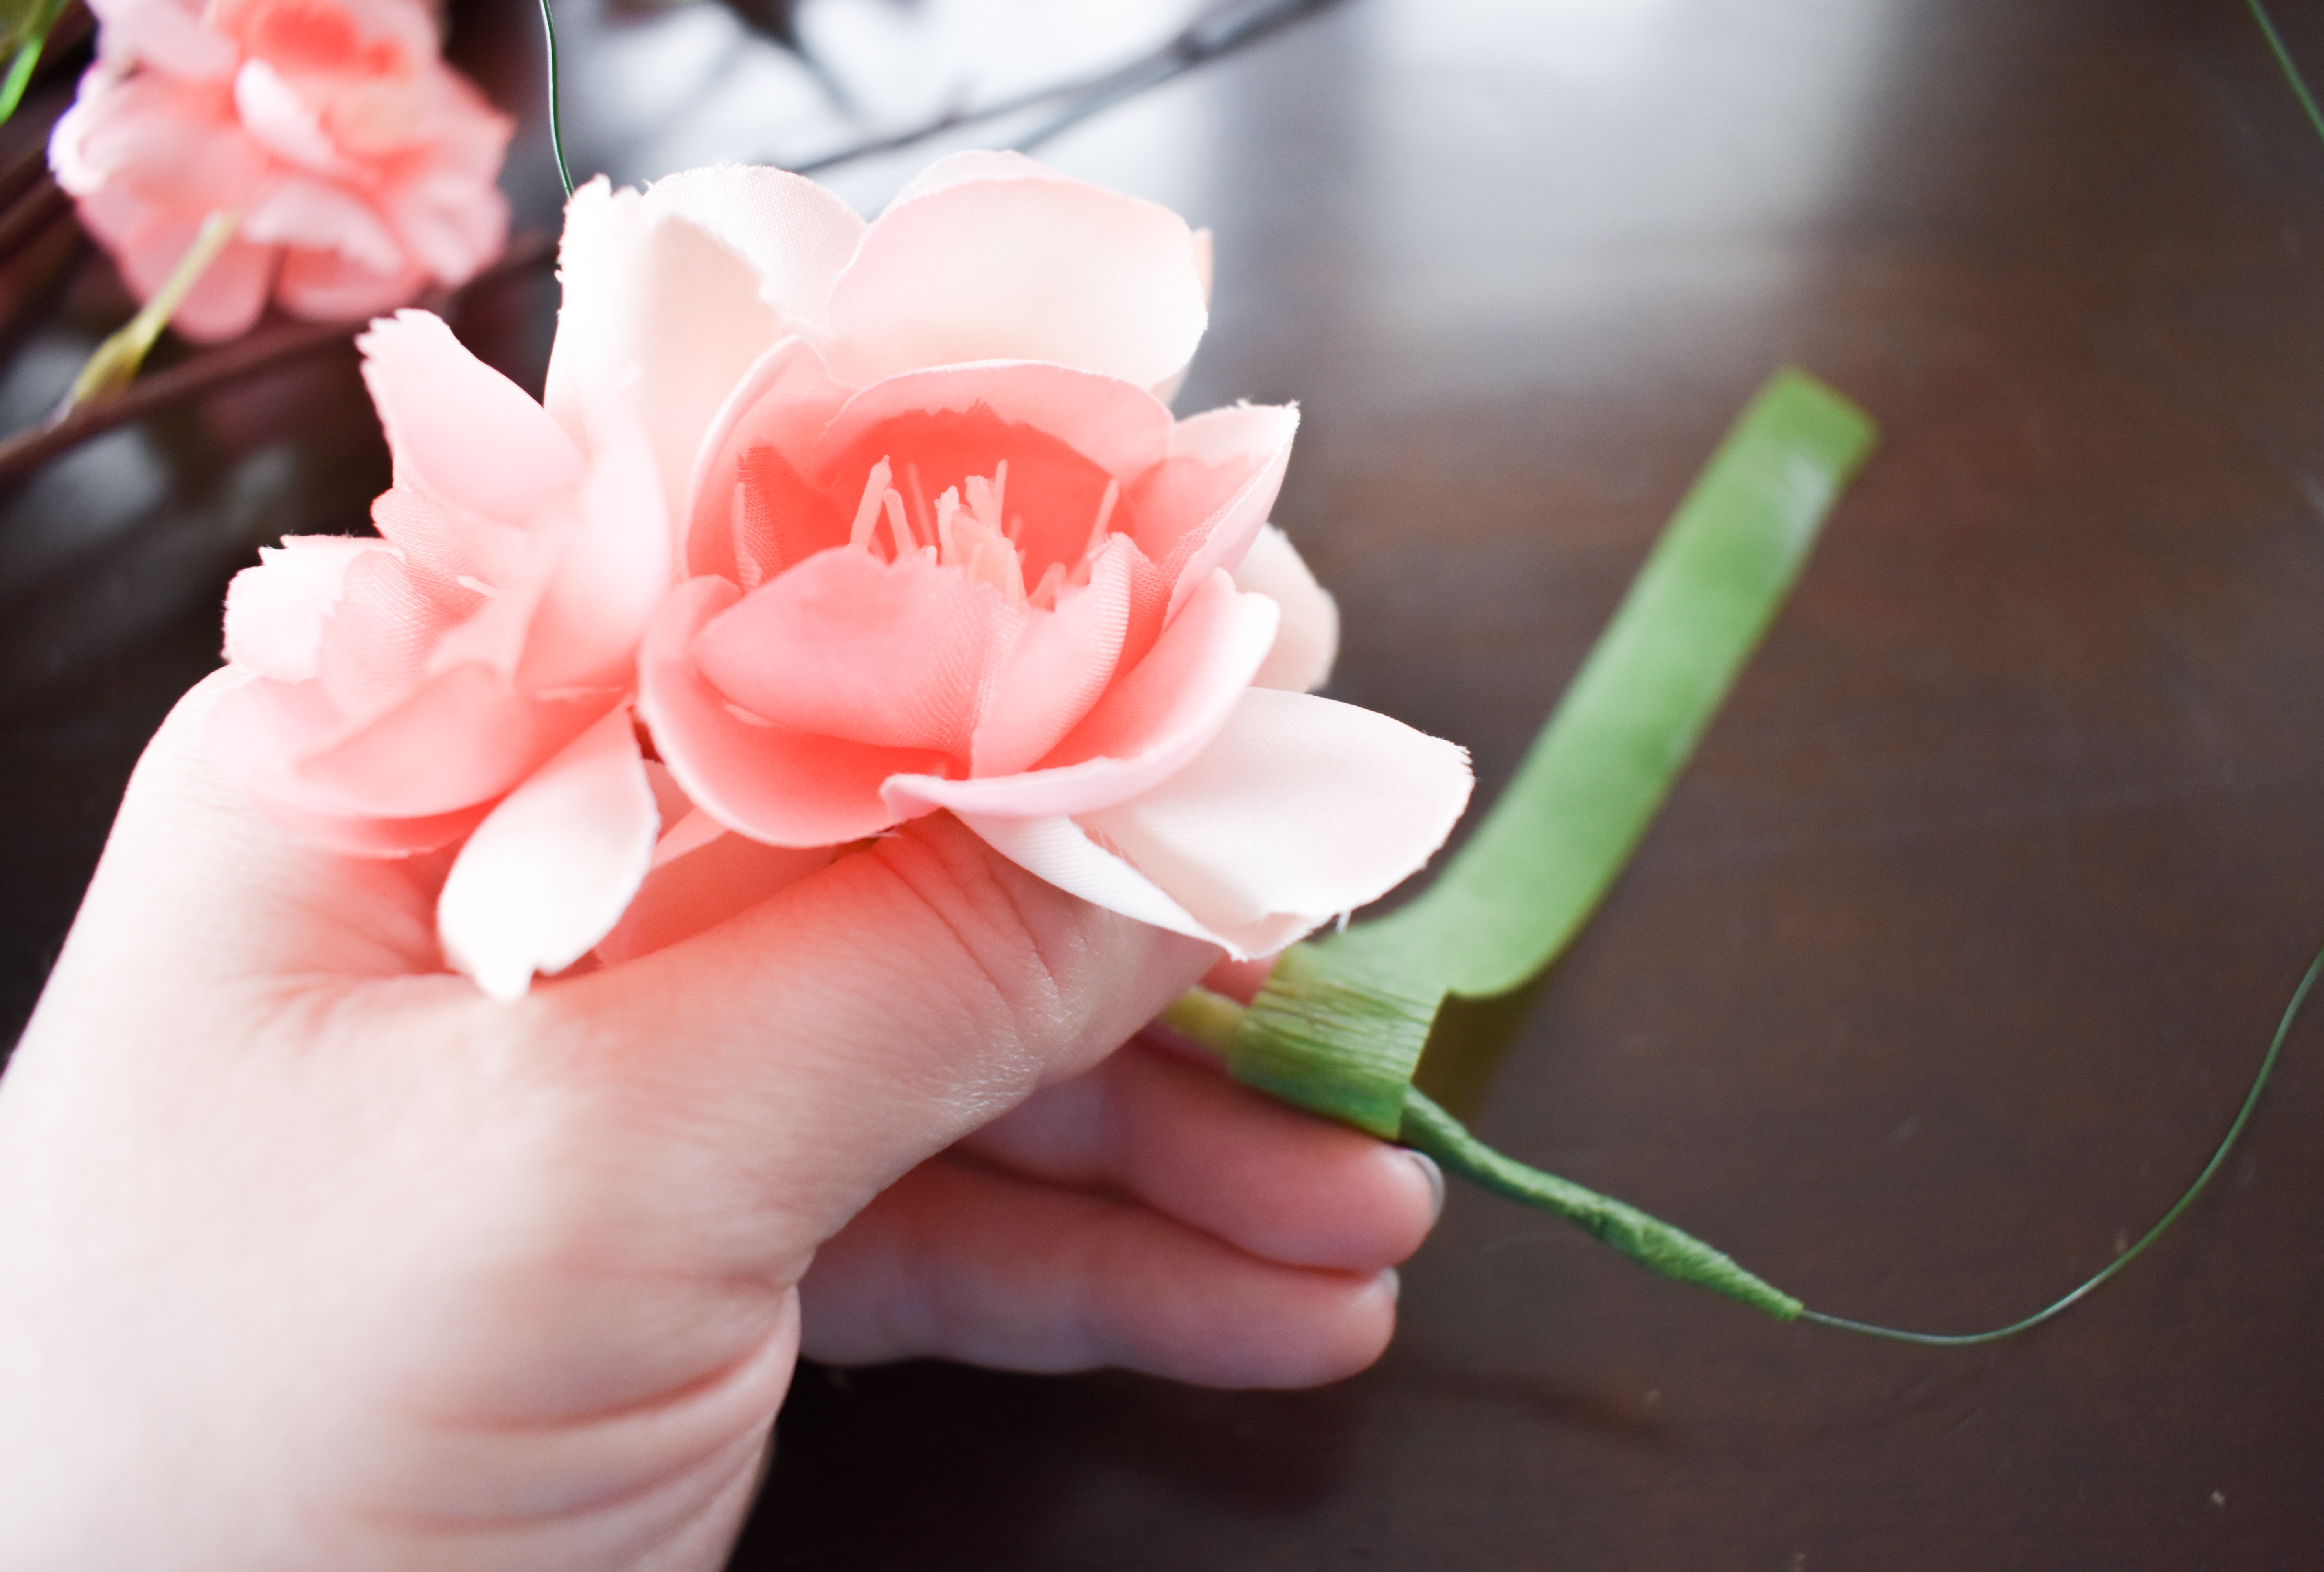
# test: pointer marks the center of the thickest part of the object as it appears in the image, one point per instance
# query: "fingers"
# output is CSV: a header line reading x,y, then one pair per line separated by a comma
x,y
861,1020
196,886
964,1262
1184,1139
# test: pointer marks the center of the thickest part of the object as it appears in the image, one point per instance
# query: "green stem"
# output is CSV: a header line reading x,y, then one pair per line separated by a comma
x,y
113,364
1218,1023
1648,1240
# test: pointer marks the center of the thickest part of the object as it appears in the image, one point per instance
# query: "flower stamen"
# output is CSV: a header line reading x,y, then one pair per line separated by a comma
x,y
1104,516
867,511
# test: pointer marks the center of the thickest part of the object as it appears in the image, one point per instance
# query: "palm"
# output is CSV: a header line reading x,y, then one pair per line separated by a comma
x,y
520,1285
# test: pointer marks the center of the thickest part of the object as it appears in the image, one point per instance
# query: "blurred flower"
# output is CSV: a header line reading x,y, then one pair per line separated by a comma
x,y
360,168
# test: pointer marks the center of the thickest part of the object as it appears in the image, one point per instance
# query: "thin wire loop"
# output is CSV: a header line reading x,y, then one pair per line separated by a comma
x,y
2218,1160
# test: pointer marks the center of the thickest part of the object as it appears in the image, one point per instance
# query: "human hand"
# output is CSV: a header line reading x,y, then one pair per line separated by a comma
x,y
314,1256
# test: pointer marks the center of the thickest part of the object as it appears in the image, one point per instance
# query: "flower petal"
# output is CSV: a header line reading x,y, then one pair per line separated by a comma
x,y
612,571
676,283
1149,725
1060,852
459,428
1200,510
464,736
1309,638
845,644
782,786
990,257
795,234
779,407
274,612
704,886
1301,809
550,870
1119,427
1056,670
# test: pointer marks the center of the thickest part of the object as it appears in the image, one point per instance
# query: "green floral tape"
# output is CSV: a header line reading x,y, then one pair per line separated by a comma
x,y
1339,1026
1535,868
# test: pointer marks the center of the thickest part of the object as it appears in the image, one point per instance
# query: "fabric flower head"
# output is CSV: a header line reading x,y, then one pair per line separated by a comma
x,y
361,168
934,544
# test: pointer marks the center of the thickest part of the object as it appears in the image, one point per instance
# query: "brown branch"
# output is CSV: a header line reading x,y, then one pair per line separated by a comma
x,y
255,352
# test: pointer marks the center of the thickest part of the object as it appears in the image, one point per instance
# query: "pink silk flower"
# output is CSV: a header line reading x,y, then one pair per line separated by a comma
x,y
929,540
361,168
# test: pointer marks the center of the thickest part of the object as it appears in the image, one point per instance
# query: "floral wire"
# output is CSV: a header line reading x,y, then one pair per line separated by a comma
x,y
556,129
2290,71
2218,1160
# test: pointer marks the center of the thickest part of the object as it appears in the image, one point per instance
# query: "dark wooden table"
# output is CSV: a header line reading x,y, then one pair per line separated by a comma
x,y
1951,956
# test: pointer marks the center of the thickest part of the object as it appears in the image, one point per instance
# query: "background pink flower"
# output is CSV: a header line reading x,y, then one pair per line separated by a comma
x,y
362,168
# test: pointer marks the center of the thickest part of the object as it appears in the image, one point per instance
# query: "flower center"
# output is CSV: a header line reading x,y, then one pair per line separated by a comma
x,y
976,536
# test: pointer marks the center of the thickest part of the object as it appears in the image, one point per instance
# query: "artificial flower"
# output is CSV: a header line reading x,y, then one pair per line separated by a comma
x,y
359,167
475,660
861,522
948,550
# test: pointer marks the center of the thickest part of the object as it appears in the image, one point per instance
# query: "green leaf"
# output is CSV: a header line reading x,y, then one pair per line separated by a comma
x,y
1517,894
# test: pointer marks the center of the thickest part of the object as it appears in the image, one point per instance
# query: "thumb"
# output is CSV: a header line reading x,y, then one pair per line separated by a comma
x,y
853,1024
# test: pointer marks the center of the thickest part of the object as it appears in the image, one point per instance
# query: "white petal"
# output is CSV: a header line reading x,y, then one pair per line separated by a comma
x,y
550,869
1300,810
1309,635
665,297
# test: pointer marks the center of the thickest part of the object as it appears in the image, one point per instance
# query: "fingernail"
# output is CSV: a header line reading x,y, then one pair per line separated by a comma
x,y
1435,1177
1393,1283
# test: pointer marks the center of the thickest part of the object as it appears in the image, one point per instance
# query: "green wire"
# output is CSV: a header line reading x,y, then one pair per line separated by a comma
x,y
2290,72
556,132
2218,1160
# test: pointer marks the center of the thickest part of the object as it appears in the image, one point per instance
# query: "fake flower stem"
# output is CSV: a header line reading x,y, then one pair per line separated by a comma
x,y
1225,1027
115,364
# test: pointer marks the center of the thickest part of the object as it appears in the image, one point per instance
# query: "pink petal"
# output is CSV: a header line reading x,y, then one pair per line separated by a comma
x,y
1299,810
726,875
649,283
548,871
1033,266
374,644
1199,511
459,428
795,234
1121,428
772,418
1056,671
1309,638
613,570
1148,726
781,786
463,737
1053,489
445,543
892,655
1060,852
165,35
273,112
274,612
313,214
257,734
324,286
